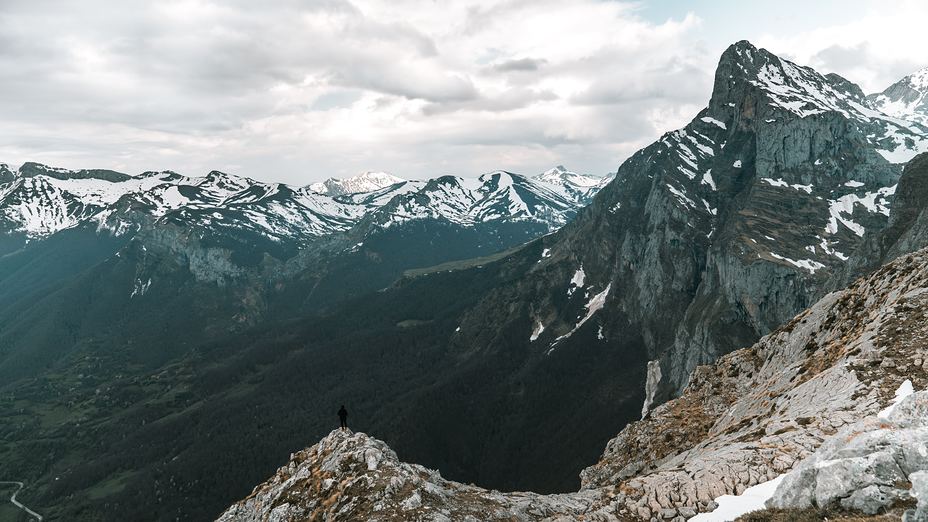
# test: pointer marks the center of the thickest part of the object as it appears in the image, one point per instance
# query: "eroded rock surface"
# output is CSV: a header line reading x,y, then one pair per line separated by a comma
x,y
351,476
868,466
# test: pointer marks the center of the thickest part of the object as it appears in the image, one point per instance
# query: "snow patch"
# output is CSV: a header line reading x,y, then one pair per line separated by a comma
x,y
539,328
709,119
576,281
594,305
905,389
733,506
805,264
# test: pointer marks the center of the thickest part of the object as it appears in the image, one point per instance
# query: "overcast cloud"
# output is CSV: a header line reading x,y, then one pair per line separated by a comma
x,y
298,91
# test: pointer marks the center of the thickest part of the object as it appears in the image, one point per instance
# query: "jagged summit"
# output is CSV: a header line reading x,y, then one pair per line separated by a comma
x,y
479,200
560,174
906,99
754,85
364,182
572,184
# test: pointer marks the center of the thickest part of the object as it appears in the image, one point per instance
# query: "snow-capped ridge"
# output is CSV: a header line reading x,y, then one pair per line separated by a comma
x,y
906,99
39,200
365,182
804,92
569,184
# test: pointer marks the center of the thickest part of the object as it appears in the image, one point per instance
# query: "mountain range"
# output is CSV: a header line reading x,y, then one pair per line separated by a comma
x,y
490,328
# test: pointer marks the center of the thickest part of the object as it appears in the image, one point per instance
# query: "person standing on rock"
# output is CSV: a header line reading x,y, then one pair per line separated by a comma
x,y
343,417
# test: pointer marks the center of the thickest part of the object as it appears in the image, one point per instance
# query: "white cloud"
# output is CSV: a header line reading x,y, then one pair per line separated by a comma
x,y
298,91
881,45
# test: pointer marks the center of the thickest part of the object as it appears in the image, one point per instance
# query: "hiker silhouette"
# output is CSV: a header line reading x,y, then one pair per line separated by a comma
x,y
343,416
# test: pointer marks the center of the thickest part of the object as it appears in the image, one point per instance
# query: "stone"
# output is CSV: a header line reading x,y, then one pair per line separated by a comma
x,y
919,490
860,466
869,500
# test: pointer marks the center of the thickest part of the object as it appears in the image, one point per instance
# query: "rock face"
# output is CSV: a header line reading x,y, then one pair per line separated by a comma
x,y
792,402
350,476
717,233
760,411
906,230
866,467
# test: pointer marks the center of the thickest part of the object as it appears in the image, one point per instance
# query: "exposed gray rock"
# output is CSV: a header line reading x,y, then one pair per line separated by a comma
x,y
350,476
650,386
919,481
906,231
866,466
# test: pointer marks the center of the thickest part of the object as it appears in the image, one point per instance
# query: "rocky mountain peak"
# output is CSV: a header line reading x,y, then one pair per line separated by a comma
x,y
560,175
365,182
744,68
754,87
7,174
906,99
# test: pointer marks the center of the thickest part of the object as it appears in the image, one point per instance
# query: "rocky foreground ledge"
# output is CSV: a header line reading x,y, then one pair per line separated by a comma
x,y
869,467
351,476
808,401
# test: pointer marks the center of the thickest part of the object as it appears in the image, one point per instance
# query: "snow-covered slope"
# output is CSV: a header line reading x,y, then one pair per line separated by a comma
x,y
906,99
490,197
38,200
365,182
574,186
49,200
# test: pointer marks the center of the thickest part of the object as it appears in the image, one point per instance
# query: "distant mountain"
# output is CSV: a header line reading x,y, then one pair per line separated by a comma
x,y
575,186
230,251
906,99
38,200
365,182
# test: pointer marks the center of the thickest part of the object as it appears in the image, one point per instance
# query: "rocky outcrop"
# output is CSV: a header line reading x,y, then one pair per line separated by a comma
x,y
351,476
867,467
759,411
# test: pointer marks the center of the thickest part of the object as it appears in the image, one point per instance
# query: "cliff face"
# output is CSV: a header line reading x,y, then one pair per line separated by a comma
x,y
715,234
905,231
759,411
754,415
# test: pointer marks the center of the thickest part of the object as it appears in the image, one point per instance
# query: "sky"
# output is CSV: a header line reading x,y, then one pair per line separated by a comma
x,y
299,91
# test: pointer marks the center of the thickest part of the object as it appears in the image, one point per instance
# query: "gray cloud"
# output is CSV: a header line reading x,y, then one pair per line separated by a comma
x,y
297,91
861,56
520,65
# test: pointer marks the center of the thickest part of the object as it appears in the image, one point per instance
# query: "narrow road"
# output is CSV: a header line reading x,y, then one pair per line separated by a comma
x,y
19,504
